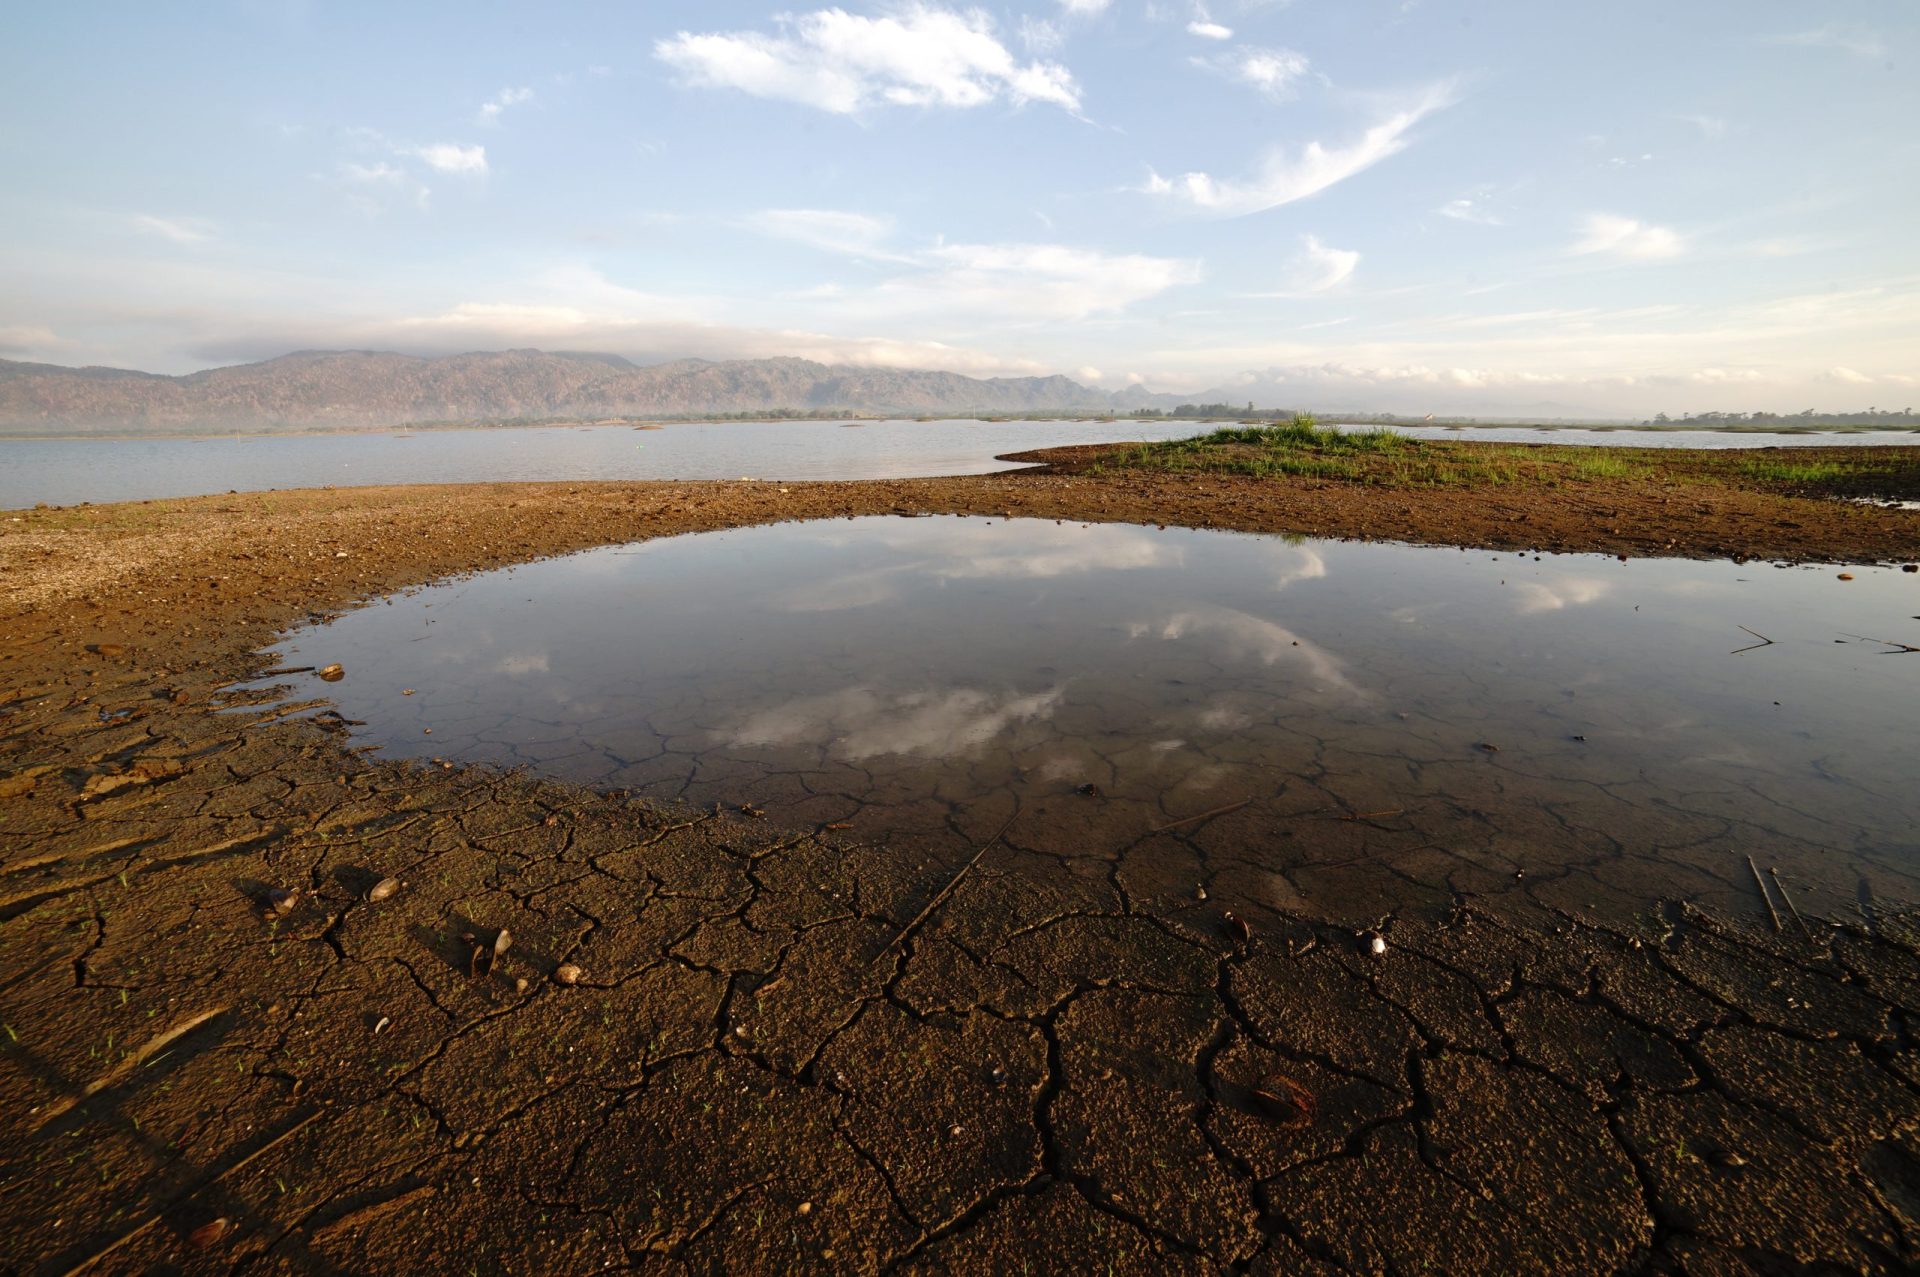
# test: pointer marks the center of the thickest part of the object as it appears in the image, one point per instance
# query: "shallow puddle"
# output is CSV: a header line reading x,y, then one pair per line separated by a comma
x,y
1370,726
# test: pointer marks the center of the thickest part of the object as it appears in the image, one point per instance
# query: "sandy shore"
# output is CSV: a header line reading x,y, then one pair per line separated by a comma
x,y
772,1056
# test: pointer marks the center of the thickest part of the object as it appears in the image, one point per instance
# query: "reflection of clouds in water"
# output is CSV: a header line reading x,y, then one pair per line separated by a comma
x,y
1245,635
840,593
519,664
1223,716
861,723
1299,564
1563,592
1032,552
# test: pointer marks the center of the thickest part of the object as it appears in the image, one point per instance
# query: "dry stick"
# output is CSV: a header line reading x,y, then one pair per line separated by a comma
x,y
1781,887
941,895
1897,647
1764,641
1188,820
1771,911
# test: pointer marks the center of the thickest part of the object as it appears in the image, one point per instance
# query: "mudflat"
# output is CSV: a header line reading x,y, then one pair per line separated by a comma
x,y
258,1012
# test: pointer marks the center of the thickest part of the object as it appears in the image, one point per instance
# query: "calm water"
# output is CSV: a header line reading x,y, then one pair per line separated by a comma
x,y
68,471
919,679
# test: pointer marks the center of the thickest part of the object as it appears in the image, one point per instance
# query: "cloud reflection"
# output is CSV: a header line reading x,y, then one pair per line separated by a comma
x,y
861,723
1245,636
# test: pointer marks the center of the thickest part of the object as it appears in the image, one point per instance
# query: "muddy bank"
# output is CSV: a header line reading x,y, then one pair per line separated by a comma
x,y
773,1055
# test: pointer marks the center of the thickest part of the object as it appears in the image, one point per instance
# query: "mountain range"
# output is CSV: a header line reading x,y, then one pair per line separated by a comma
x,y
364,388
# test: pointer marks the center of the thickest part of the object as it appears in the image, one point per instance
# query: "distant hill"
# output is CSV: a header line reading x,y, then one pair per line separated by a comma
x,y
335,388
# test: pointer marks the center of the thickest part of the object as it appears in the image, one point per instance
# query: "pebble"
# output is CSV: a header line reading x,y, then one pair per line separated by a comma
x,y
806,1208
1199,893
1846,576
520,984
283,899
381,890
568,973
1377,946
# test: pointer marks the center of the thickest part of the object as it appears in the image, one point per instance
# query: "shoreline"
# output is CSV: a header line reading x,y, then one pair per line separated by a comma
x,y
775,1056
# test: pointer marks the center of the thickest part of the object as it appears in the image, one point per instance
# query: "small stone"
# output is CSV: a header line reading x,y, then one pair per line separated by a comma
x,y
1846,576
956,1131
1199,893
332,673
740,1031
999,1076
520,984
567,973
282,899
805,1208
381,890
1377,946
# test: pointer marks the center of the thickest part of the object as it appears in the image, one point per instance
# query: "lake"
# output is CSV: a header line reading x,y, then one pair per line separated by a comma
x,y
1343,727
69,471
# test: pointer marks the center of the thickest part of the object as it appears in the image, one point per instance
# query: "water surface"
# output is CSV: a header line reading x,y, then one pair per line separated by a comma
x,y
68,471
1400,724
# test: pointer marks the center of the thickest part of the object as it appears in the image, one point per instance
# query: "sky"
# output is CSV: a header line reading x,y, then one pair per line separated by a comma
x,y
1405,205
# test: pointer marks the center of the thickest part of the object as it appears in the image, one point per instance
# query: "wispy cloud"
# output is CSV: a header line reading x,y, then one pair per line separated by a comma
x,y
1274,72
833,231
1316,268
450,157
1008,282
1287,176
1208,29
1858,41
1085,6
920,55
1471,208
1626,238
181,230
492,109
366,184
1712,127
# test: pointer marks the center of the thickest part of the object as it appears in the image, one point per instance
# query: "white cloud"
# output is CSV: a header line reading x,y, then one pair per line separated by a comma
x,y
364,183
1286,177
1471,208
20,339
1025,283
1040,35
1559,593
852,234
1858,41
448,157
1209,30
1317,268
1273,72
181,230
1624,237
1711,127
920,55
493,107
1085,6
1849,376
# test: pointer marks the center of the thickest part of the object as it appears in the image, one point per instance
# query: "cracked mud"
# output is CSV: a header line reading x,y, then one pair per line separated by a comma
x,y
770,1060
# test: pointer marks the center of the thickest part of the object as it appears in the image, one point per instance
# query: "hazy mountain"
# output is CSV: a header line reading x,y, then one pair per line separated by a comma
x,y
375,388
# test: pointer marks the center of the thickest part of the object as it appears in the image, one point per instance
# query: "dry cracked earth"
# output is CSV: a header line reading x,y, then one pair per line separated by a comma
x,y
224,1051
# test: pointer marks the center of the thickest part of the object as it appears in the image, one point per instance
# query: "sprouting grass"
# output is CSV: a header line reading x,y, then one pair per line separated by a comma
x,y
1302,449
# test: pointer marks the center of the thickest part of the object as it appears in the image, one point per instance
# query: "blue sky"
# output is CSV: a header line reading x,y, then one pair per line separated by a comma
x,y
1410,204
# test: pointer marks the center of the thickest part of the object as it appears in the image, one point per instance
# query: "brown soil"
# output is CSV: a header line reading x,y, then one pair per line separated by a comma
x,y
770,1061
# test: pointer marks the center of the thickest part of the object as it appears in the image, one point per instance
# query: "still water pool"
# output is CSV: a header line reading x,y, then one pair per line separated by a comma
x,y
1345,727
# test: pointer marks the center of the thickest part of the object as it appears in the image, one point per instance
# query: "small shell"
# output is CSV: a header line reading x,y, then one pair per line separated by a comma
x,y
1237,926
1377,946
282,899
208,1233
1199,893
567,973
381,890
380,1025
502,942
332,674
480,962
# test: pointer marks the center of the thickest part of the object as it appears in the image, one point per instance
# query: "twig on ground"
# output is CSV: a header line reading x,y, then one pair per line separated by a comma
x,y
1771,911
1764,642
1188,820
940,896
1781,887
